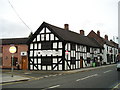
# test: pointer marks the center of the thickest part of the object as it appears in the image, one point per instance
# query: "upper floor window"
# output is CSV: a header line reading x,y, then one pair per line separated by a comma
x,y
107,49
46,45
88,49
73,47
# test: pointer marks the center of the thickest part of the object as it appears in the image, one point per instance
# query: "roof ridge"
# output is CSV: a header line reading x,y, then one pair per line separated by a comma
x,y
65,35
78,38
14,38
64,29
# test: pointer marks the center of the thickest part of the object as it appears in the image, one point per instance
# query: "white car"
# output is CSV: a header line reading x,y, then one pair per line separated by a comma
x,y
118,66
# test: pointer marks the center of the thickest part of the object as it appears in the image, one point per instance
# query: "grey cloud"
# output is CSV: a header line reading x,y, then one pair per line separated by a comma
x,y
12,30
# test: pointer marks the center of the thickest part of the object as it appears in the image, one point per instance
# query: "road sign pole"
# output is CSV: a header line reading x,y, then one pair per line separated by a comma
x,y
12,50
12,64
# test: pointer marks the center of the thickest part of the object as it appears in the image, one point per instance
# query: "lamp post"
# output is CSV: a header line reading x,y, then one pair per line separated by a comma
x,y
12,50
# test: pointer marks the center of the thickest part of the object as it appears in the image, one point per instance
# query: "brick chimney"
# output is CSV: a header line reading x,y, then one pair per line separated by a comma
x,y
66,26
106,37
82,32
98,33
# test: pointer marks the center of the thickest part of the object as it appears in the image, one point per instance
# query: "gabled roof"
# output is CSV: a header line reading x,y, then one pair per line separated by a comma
x,y
96,36
15,41
102,39
66,36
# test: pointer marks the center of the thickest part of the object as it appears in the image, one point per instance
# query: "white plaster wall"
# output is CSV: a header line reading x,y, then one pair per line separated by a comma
x,y
105,53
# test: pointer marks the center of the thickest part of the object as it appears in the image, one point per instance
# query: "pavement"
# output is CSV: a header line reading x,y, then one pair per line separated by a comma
x,y
26,75
6,78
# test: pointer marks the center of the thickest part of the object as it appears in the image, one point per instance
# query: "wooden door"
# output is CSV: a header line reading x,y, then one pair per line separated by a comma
x,y
81,62
24,62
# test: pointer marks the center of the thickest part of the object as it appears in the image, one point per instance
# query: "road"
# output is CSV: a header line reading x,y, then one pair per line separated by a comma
x,y
106,77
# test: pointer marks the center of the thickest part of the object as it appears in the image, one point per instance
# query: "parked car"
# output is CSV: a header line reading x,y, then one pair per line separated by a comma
x,y
118,66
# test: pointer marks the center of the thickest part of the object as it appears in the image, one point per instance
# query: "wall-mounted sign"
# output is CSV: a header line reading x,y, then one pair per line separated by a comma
x,y
48,52
23,53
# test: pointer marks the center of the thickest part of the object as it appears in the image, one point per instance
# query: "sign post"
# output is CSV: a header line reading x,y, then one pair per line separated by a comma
x,y
12,64
12,50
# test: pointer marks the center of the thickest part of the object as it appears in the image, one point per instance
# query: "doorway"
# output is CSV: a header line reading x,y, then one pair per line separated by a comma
x,y
24,62
81,62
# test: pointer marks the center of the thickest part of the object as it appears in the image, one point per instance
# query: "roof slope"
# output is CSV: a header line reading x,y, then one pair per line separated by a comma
x,y
108,43
101,40
15,41
69,36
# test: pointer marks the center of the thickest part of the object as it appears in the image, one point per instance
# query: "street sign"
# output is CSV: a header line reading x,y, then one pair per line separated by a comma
x,y
12,49
24,53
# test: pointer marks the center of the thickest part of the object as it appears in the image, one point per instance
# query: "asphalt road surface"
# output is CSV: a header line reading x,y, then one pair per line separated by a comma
x,y
107,78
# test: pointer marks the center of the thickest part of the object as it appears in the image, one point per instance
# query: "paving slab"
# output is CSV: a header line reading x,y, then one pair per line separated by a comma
x,y
6,78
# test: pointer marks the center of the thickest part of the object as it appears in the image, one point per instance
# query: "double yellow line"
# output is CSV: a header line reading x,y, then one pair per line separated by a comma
x,y
10,83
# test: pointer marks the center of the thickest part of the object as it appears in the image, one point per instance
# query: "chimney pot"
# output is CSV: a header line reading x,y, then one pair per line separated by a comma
x,y
82,32
66,26
98,33
106,37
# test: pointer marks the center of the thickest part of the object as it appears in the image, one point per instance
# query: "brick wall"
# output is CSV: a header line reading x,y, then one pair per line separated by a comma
x,y
6,56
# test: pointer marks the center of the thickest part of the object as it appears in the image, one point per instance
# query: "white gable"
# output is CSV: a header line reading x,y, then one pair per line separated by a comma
x,y
43,30
48,31
38,37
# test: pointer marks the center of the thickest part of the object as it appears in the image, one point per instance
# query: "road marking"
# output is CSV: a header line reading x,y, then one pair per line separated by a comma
x,y
107,71
87,77
60,74
46,76
54,86
54,75
50,75
116,86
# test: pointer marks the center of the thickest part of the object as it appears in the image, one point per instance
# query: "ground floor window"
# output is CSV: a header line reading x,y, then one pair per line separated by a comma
x,y
15,60
46,61
111,58
88,60
73,60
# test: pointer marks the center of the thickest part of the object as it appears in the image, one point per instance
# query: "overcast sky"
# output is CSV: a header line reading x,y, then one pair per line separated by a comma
x,y
79,14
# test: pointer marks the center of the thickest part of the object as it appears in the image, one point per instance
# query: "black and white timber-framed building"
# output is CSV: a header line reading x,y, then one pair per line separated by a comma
x,y
110,51
54,48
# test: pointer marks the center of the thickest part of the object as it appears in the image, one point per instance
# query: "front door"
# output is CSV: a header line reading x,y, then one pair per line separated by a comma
x,y
81,62
24,62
